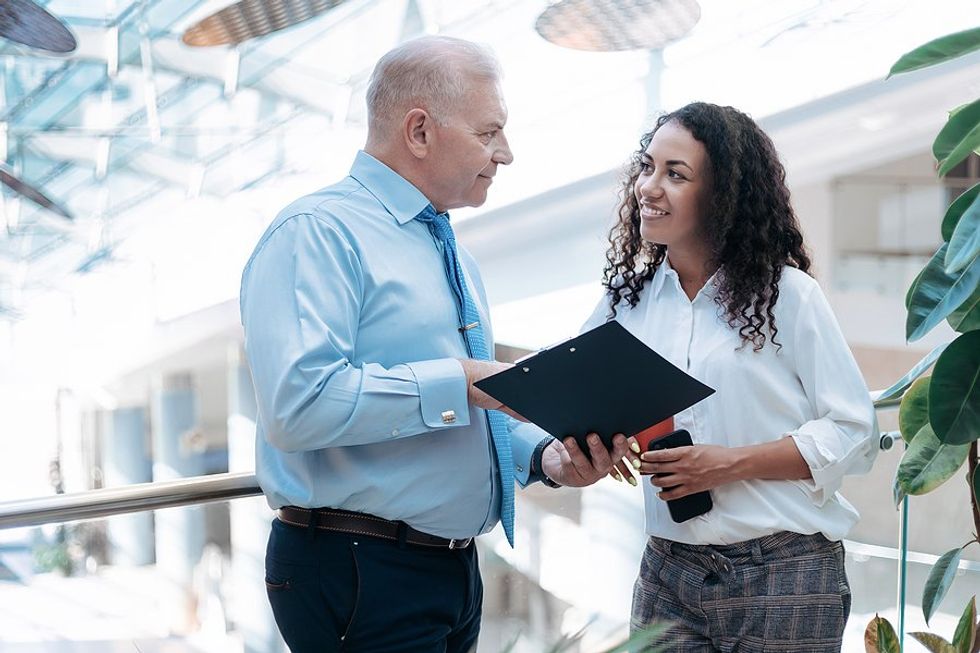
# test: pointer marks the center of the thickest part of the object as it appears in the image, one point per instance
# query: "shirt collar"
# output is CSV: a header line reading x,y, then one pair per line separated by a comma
x,y
399,197
659,277
710,289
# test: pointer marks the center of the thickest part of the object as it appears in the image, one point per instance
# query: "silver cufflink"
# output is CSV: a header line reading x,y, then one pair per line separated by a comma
x,y
449,417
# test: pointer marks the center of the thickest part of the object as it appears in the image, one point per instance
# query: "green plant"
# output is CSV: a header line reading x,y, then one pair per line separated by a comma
x,y
940,414
648,640
880,637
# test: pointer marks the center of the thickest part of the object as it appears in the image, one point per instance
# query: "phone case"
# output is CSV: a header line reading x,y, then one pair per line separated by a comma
x,y
692,505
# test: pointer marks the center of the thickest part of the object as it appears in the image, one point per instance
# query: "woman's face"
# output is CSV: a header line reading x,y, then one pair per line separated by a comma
x,y
673,188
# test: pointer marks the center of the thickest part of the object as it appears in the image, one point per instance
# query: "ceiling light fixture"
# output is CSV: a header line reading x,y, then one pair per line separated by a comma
x,y
28,23
611,25
249,19
24,189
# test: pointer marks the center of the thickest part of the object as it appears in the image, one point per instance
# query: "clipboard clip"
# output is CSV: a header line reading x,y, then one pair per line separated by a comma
x,y
535,353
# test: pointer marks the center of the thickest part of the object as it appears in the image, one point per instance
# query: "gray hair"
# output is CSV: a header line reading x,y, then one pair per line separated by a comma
x,y
430,72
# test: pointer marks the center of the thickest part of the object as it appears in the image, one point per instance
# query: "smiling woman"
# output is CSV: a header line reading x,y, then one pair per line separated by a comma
x,y
706,260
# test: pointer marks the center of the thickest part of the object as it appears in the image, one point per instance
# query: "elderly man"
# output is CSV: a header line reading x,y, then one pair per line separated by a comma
x,y
365,328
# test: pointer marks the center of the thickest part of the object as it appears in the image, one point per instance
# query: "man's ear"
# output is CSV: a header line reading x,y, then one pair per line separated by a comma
x,y
417,131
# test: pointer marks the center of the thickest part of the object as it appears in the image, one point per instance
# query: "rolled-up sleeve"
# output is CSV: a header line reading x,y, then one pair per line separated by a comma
x,y
841,438
301,300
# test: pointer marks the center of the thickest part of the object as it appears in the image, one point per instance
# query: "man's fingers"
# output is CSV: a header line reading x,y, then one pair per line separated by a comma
x,y
576,456
621,448
601,461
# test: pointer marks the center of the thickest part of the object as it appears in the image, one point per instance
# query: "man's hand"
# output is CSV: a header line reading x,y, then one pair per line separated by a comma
x,y
566,464
476,370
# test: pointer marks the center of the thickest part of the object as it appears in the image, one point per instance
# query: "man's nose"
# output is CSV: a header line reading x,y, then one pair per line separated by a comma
x,y
503,155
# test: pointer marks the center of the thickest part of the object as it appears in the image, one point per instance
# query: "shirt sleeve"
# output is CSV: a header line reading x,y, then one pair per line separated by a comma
x,y
524,438
841,439
300,300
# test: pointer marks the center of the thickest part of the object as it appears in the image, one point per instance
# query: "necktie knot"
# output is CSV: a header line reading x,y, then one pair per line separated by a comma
x,y
438,223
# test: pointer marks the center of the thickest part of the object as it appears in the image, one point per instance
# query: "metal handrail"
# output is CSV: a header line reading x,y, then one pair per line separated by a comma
x,y
106,502
130,498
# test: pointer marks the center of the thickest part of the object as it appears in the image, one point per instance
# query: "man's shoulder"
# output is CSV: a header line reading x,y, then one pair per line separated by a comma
x,y
330,205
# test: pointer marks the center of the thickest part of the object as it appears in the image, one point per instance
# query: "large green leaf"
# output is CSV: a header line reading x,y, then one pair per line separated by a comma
x,y
956,210
913,413
900,386
933,643
880,637
937,51
954,393
939,580
961,121
963,149
643,640
928,463
964,244
967,316
963,638
936,294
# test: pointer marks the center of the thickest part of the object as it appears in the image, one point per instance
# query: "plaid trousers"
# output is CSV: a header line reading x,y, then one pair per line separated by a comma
x,y
783,593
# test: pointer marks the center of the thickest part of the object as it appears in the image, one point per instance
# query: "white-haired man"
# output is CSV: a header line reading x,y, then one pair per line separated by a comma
x,y
365,328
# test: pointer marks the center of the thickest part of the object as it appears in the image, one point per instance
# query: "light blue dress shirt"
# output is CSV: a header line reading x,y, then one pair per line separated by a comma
x,y
352,337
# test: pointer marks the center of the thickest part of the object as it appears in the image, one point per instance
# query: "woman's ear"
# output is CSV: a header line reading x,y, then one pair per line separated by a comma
x,y
417,132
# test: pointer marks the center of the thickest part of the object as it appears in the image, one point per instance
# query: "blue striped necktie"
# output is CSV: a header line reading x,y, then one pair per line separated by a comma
x,y
476,343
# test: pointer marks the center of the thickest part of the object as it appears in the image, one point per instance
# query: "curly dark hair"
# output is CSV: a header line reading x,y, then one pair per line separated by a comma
x,y
749,223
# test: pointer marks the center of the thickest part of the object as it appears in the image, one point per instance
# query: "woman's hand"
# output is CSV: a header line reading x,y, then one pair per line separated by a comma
x,y
686,470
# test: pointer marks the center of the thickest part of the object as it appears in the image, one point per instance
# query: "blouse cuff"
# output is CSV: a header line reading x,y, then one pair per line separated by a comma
x,y
827,466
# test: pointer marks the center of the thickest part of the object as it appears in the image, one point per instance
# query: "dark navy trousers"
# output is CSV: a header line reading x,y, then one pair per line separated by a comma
x,y
337,592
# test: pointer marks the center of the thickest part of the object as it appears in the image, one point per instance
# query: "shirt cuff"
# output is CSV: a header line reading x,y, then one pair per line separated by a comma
x,y
442,392
524,438
816,442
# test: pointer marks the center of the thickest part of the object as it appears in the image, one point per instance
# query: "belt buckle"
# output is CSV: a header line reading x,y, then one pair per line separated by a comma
x,y
460,544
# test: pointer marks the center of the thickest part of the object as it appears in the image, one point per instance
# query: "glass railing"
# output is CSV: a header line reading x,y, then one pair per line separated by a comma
x,y
178,566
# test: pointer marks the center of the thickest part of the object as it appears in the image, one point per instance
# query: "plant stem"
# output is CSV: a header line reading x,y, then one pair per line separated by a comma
x,y
974,459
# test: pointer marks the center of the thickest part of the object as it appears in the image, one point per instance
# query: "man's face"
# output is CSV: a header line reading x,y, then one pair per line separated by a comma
x,y
468,148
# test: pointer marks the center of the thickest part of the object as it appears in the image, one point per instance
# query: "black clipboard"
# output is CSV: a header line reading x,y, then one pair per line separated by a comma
x,y
604,381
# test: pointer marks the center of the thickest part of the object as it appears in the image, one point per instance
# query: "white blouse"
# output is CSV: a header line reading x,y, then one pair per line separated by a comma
x,y
810,389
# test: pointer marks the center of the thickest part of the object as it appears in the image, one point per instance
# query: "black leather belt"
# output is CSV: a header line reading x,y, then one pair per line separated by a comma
x,y
358,523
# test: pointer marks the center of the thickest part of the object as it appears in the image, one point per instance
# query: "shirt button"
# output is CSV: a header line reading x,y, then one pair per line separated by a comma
x,y
520,469
395,432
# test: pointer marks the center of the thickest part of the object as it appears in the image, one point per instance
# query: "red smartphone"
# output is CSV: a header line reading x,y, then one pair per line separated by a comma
x,y
692,505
